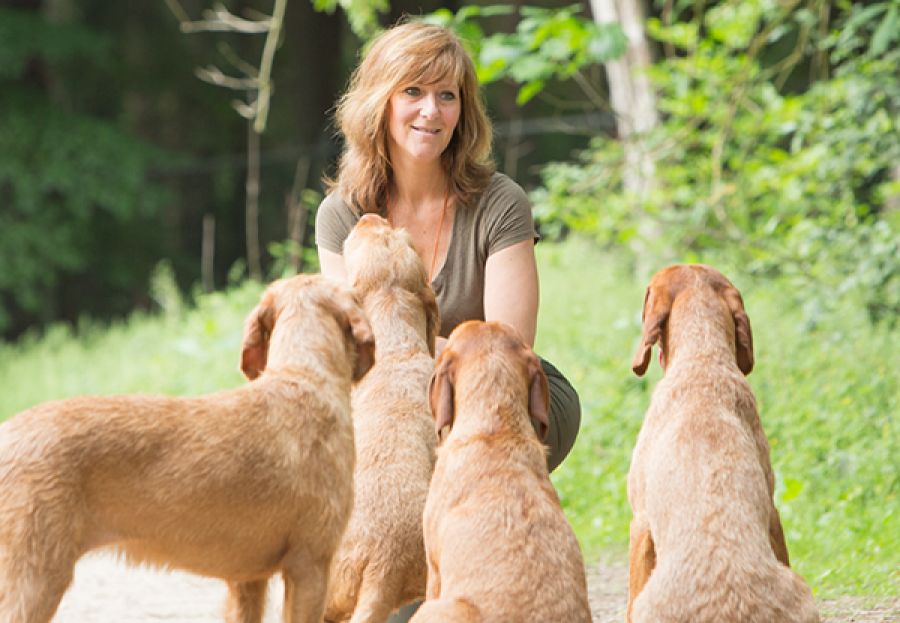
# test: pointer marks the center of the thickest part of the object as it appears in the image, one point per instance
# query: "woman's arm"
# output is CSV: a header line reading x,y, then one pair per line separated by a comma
x,y
511,288
332,264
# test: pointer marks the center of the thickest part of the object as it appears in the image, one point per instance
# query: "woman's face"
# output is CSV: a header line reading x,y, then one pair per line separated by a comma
x,y
421,121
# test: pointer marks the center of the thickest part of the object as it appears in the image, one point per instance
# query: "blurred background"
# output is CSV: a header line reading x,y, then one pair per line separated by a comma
x,y
160,160
765,129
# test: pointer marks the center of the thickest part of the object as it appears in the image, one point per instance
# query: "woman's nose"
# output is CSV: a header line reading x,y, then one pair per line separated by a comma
x,y
429,106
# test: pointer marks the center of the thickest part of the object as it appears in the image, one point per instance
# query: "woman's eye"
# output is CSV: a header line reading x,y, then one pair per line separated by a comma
x,y
412,91
448,96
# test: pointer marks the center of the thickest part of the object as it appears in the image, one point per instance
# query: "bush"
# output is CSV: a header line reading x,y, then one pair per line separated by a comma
x,y
785,178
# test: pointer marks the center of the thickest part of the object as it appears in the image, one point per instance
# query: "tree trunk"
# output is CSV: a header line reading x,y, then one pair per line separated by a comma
x,y
254,263
634,104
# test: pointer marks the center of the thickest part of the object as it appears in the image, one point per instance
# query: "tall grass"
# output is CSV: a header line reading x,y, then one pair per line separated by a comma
x,y
828,397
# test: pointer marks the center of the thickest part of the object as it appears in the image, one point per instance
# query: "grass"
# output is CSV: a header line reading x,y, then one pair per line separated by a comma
x,y
828,397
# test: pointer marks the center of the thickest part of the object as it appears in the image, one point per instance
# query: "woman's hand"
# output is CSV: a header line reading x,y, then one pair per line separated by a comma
x,y
511,289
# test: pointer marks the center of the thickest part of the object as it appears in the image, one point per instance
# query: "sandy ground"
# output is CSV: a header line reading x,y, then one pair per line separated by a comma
x,y
106,590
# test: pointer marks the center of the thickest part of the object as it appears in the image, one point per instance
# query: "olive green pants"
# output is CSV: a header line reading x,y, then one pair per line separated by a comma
x,y
565,419
565,415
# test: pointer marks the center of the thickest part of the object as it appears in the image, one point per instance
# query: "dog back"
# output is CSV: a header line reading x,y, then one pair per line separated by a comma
x,y
496,537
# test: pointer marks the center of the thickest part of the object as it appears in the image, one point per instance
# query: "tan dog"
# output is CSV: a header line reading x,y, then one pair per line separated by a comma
x,y
380,564
238,484
706,540
498,545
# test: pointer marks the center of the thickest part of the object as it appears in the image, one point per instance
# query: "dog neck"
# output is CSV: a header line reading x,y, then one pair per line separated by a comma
x,y
321,351
397,319
489,404
699,328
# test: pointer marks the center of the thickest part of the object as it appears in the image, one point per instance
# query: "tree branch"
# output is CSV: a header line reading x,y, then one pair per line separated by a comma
x,y
221,20
265,67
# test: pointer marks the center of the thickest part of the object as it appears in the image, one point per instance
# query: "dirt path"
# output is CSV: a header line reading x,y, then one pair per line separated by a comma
x,y
107,591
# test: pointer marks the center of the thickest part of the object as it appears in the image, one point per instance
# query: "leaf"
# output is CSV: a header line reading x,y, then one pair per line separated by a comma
x,y
607,43
792,488
886,33
499,48
531,67
556,49
497,9
683,35
528,91
861,17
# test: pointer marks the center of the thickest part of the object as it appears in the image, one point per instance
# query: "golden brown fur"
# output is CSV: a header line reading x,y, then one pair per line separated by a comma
x,y
498,545
706,539
238,484
380,564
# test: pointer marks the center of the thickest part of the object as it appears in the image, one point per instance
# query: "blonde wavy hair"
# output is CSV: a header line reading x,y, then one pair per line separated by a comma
x,y
409,53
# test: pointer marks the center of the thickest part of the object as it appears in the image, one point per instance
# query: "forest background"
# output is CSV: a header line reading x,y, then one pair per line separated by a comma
x,y
141,207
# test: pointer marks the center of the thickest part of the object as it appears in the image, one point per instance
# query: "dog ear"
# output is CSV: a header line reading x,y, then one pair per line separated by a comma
x,y
440,393
657,305
743,336
539,398
255,343
352,318
432,318
365,343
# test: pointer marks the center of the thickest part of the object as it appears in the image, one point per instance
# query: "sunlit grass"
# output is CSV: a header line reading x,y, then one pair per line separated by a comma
x,y
828,398
185,352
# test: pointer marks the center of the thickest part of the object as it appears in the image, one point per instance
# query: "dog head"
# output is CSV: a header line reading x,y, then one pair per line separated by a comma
x,y
500,364
675,281
296,308
377,256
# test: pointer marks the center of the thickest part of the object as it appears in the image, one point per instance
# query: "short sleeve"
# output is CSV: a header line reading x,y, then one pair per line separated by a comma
x,y
507,213
334,221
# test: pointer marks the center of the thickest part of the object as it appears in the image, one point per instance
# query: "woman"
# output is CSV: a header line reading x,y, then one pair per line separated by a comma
x,y
417,151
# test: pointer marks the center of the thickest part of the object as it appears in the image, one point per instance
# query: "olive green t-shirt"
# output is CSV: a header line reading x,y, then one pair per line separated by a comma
x,y
500,217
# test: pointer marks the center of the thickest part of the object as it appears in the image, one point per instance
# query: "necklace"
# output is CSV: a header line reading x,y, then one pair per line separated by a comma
x,y
437,236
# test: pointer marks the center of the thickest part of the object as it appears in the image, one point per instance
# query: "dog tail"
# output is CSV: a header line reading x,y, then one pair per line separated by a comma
x,y
458,610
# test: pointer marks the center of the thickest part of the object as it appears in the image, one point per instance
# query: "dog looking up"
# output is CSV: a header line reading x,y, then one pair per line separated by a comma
x,y
380,564
238,484
706,540
498,545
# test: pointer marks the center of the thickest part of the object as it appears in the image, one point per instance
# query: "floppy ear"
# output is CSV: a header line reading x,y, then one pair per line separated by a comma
x,y
257,329
351,317
657,305
432,317
743,336
440,393
365,343
539,398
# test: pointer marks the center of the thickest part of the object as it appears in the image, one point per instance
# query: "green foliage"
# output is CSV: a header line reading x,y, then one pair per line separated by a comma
x,y
782,182
26,35
66,178
290,254
362,14
547,44
63,178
